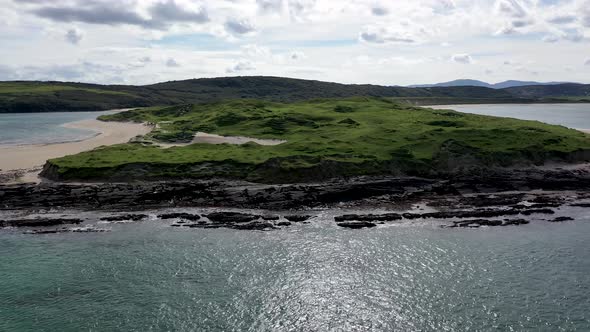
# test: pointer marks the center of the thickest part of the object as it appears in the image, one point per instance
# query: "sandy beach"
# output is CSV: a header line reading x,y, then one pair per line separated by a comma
x,y
34,156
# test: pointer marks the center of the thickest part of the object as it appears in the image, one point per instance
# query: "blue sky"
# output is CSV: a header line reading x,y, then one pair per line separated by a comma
x,y
389,42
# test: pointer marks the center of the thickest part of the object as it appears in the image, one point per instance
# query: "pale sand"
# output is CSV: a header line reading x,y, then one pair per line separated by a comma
x,y
34,155
201,137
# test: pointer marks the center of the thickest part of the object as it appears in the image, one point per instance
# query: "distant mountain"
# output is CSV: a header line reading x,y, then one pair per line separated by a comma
x,y
500,85
461,82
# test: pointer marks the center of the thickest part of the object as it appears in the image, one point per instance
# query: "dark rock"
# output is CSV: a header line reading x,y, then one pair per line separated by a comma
x,y
515,222
253,226
45,231
67,230
368,217
480,222
581,204
271,217
231,217
89,230
537,211
283,223
476,213
125,217
180,215
39,222
382,191
297,218
488,222
356,224
561,219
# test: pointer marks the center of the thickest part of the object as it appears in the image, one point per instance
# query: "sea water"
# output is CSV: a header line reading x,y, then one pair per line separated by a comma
x,y
575,116
41,128
415,276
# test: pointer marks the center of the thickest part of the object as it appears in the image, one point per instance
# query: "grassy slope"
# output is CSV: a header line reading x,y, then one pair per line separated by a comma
x,y
325,138
59,96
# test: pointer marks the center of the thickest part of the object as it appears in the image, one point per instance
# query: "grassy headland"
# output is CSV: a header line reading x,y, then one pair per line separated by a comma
x,y
325,138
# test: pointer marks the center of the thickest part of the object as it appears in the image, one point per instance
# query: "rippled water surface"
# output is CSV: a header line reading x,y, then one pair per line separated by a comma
x,y
315,277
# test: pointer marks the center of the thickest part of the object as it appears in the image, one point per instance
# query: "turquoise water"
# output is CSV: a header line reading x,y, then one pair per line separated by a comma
x,y
569,115
317,277
37,128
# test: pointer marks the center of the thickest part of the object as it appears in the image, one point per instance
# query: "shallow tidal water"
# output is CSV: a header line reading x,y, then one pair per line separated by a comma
x,y
148,276
575,116
43,128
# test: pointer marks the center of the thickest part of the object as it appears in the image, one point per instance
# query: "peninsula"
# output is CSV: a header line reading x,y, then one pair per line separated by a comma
x,y
318,140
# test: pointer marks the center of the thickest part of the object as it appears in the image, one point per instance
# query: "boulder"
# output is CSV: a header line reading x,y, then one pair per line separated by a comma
x,y
368,217
180,215
297,217
231,217
125,217
356,224
561,219
38,222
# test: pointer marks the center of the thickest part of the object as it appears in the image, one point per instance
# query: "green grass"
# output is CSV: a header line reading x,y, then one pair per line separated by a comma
x,y
33,88
325,138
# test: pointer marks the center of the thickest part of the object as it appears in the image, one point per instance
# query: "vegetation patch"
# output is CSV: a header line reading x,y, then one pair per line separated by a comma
x,y
380,137
446,123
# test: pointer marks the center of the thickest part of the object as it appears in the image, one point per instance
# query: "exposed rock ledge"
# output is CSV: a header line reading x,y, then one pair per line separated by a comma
x,y
212,193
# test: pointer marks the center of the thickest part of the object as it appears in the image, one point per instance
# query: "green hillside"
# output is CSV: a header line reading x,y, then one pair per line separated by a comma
x,y
324,138
60,96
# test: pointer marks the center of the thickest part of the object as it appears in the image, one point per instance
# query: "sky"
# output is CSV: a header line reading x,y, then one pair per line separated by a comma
x,y
387,42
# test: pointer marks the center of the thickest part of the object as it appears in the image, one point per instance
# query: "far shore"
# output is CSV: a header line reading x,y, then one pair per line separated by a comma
x,y
33,157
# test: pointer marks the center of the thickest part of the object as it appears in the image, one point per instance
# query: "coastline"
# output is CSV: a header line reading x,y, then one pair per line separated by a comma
x,y
26,160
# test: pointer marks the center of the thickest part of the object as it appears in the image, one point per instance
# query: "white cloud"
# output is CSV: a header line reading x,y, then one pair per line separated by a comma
x,y
551,39
395,42
239,26
240,66
462,58
562,19
511,8
171,62
297,55
587,63
386,34
73,36
379,11
256,52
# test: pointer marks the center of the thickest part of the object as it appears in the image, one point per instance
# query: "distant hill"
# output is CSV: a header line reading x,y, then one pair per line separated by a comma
x,y
461,82
500,85
570,90
34,96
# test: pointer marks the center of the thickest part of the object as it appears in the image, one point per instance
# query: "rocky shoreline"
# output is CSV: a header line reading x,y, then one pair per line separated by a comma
x,y
468,200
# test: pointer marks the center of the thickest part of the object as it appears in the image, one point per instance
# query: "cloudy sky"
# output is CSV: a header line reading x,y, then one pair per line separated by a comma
x,y
390,42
